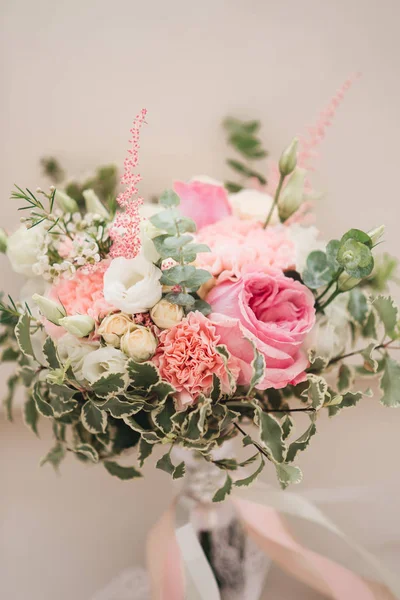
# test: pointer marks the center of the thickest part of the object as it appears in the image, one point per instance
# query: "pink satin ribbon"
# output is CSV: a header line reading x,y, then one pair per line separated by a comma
x,y
268,529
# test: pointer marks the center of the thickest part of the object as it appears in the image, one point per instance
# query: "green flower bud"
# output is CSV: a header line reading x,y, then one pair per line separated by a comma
x,y
49,309
66,203
376,234
292,194
94,204
3,241
78,325
347,283
288,159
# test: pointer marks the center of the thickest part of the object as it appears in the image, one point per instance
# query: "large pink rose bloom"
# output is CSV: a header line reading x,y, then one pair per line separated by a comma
x,y
273,311
205,203
240,246
187,357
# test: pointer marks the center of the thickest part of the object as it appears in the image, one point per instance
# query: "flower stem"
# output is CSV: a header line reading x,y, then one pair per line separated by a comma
x,y
330,299
276,199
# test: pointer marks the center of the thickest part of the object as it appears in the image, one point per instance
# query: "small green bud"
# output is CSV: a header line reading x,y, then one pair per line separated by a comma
x,y
347,283
3,240
288,159
78,325
376,234
292,194
94,204
65,202
49,309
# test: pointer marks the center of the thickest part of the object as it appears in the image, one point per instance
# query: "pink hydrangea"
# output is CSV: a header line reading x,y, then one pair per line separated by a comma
x,y
187,358
83,293
240,246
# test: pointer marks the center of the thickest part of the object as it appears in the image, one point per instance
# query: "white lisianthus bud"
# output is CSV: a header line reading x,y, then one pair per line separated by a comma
x,y
347,283
79,325
24,247
376,234
65,202
113,327
94,205
140,344
3,240
165,314
292,194
53,311
288,159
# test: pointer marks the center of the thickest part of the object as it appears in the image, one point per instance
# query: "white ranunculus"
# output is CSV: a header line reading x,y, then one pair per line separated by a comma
x,y
305,241
140,344
73,351
24,247
103,361
132,284
252,204
331,333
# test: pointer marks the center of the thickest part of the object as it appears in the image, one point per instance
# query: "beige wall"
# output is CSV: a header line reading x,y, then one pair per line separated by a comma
x,y
74,74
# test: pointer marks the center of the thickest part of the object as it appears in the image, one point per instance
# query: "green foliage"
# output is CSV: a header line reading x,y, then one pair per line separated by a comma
x,y
302,442
224,491
385,271
390,383
387,312
23,335
319,271
272,436
165,464
288,474
245,482
358,306
109,385
31,415
93,418
55,456
8,400
123,473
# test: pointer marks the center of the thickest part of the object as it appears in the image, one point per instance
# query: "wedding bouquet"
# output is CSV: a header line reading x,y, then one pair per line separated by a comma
x,y
184,323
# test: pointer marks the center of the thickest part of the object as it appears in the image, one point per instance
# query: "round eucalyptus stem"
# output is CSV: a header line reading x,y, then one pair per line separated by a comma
x,y
334,280
276,199
330,299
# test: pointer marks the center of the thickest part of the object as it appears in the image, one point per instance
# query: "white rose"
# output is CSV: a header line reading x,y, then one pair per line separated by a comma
x,y
252,204
166,315
140,344
24,247
305,241
103,361
132,284
113,327
332,332
73,350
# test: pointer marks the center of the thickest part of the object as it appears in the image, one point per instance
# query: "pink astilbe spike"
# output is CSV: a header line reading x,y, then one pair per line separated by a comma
x,y
125,231
308,144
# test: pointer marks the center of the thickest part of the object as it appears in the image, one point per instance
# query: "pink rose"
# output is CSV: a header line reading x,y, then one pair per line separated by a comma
x,y
187,358
205,203
273,311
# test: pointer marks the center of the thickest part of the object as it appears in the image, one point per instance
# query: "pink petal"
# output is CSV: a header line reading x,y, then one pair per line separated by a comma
x,y
205,203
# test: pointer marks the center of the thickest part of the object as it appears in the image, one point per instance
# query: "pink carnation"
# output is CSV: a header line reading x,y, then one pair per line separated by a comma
x,y
83,293
187,357
275,313
238,247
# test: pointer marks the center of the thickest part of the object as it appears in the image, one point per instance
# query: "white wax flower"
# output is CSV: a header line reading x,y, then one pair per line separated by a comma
x,y
72,351
24,247
103,361
252,204
139,344
132,284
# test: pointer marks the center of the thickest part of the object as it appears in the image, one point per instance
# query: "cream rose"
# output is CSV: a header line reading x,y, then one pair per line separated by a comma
x,y
166,315
132,285
252,204
113,327
140,344
24,247
103,361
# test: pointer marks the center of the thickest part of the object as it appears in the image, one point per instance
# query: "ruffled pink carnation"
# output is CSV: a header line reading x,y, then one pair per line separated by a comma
x,y
83,293
187,358
238,247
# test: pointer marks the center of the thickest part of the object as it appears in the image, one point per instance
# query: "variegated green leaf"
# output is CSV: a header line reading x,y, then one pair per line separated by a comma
x,y
390,383
288,474
8,400
224,491
50,352
272,435
88,451
55,456
387,311
109,385
93,419
23,335
301,443
31,415
118,408
251,478
121,472
143,375
42,405
145,449
163,417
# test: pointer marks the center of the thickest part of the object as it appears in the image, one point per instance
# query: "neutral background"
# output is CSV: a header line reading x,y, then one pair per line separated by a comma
x,y
74,74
